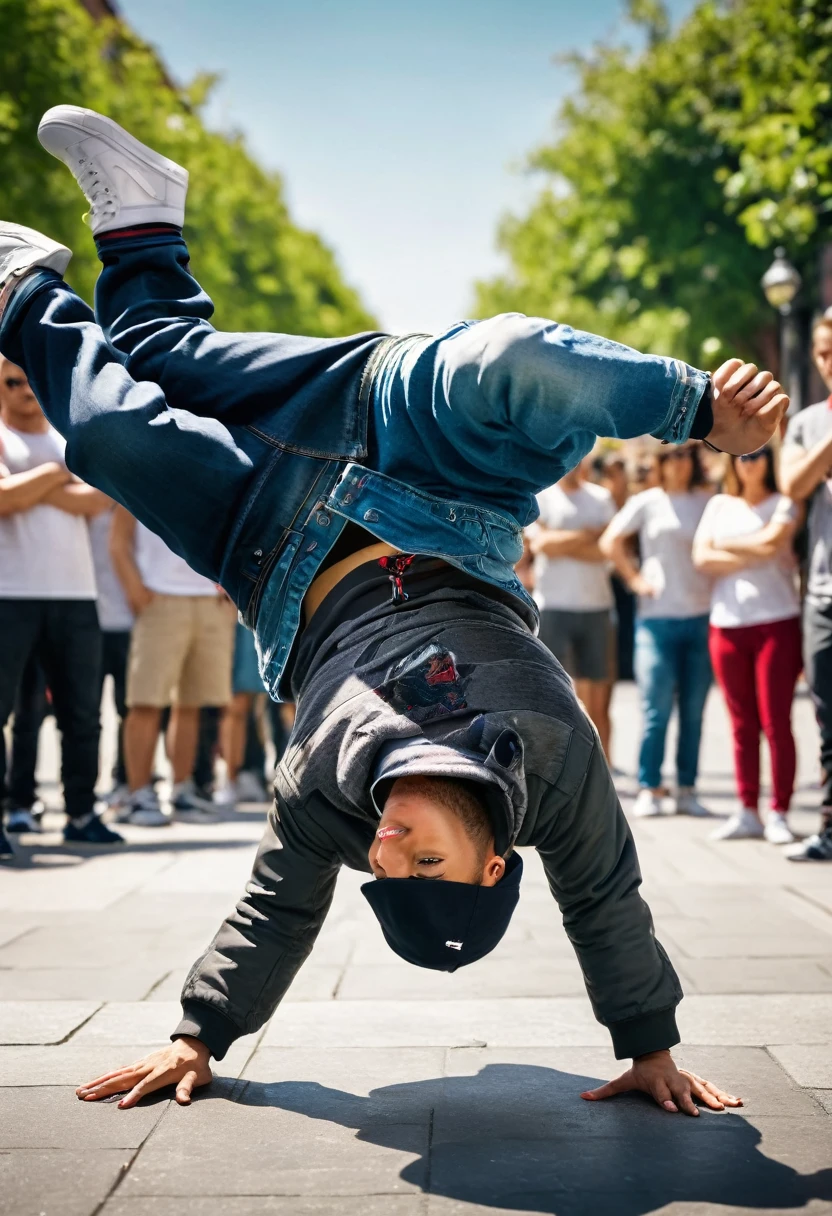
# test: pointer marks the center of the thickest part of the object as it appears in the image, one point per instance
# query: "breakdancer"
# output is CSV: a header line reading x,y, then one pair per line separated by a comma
x,y
362,501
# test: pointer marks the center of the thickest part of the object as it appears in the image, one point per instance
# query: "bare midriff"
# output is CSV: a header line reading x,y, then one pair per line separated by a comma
x,y
323,584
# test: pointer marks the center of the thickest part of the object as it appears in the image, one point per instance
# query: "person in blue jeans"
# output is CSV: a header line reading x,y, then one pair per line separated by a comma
x,y
671,658
362,501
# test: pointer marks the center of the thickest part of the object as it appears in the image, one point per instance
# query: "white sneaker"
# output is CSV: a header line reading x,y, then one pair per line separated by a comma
x,y
23,250
745,825
189,807
124,182
777,830
647,805
227,796
118,796
250,788
688,804
21,820
143,811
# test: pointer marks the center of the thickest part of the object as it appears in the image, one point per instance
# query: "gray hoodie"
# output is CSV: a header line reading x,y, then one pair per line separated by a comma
x,y
431,686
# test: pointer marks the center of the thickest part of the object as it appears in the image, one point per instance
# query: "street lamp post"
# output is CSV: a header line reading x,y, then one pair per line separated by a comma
x,y
781,283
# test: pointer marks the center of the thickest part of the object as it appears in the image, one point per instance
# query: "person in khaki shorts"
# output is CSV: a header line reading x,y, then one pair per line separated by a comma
x,y
181,653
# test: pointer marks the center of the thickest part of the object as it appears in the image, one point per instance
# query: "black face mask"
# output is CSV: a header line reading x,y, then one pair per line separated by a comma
x,y
444,925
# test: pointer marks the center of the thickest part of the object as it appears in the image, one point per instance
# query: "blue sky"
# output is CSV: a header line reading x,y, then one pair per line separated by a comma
x,y
400,129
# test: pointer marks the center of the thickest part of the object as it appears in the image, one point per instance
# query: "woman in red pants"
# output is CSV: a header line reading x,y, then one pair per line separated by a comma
x,y
745,541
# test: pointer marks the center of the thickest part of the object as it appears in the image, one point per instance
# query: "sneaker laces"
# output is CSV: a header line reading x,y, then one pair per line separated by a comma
x,y
98,191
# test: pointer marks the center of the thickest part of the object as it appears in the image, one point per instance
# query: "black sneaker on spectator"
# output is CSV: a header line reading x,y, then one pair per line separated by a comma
x,y
6,850
189,807
816,848
21,819
142,809
90,829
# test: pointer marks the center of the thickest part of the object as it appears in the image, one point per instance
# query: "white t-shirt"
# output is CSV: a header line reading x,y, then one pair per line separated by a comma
x,y
567,582
760,593
44,552
666,524
114,613
164,571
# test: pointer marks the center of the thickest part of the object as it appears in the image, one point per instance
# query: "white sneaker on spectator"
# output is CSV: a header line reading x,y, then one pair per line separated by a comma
x,y
142,809
777,830
189,807
647,804
688,804
250,788
118,796
124,181
21,820
227,795
745,825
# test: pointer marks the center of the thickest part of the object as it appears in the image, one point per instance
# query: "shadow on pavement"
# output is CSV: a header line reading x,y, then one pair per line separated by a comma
x,y
518,1137
35,856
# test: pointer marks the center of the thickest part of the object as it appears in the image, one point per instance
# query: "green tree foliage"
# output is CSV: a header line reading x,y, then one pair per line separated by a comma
x,y
262,271
673,174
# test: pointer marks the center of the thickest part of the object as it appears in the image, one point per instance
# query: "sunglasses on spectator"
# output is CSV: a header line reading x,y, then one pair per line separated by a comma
x,y
14,382
749,456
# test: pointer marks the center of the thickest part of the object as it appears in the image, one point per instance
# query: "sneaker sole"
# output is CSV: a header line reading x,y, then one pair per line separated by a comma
x,y
81,122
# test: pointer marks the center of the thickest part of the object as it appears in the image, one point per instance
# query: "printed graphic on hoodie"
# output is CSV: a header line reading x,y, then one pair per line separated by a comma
x,y
425,685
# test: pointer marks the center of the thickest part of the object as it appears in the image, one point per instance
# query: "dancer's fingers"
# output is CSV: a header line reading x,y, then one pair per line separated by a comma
x,y
660,1092
184,1089
147,1085
724,373
619,1086
681,1091
107,1076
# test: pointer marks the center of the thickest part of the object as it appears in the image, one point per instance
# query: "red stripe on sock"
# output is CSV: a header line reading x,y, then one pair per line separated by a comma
x,y
116,234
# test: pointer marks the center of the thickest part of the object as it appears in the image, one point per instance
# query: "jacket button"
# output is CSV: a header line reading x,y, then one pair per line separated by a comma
x,y
371,517
323,519
258,552
347,498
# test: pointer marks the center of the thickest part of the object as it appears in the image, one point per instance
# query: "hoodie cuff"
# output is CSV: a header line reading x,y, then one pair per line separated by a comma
x,y
650,1032
212,1028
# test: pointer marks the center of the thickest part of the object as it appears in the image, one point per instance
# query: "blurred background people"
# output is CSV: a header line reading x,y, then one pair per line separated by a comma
x,y
115,620
181,652
671,647
573,591
32,706
236,722
47,600
807,477
744,543
612,475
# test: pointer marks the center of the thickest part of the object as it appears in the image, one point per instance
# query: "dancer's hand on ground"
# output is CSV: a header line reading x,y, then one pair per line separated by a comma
x,y
185,1064
748,407
672,1088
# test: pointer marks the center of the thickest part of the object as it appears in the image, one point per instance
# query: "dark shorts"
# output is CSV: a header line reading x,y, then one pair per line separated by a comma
x,y
584,642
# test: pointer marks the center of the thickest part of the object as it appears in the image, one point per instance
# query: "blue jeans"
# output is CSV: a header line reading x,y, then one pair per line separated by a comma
x,y
247,453
671,661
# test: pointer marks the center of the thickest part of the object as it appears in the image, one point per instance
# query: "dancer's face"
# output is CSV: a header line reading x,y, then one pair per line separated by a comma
x,y
418,838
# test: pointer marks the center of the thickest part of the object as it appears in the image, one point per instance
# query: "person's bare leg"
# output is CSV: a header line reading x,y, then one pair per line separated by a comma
x,y
141,730
181,741
233,732
595,698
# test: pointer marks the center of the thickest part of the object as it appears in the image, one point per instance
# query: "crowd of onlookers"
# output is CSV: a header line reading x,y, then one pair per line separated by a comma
x,y
87,594
720,557
675,565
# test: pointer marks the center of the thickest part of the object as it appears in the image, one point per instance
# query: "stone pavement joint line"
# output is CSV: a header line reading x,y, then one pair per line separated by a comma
x,y
379,1089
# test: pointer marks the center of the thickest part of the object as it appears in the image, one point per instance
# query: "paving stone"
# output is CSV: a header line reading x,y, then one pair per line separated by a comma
x,y
488,978
756,1020
42,1021
52,1117
147,1022
738,975
351,1085
268,1205
435,1023
58,1182
75,1063
219,1146
84,946
809,1066
92,984
824,1097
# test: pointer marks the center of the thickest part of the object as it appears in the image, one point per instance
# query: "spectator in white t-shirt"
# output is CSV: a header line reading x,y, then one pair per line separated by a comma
x,y
47,601
744,543
572,588
116,622
181,650
671,649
